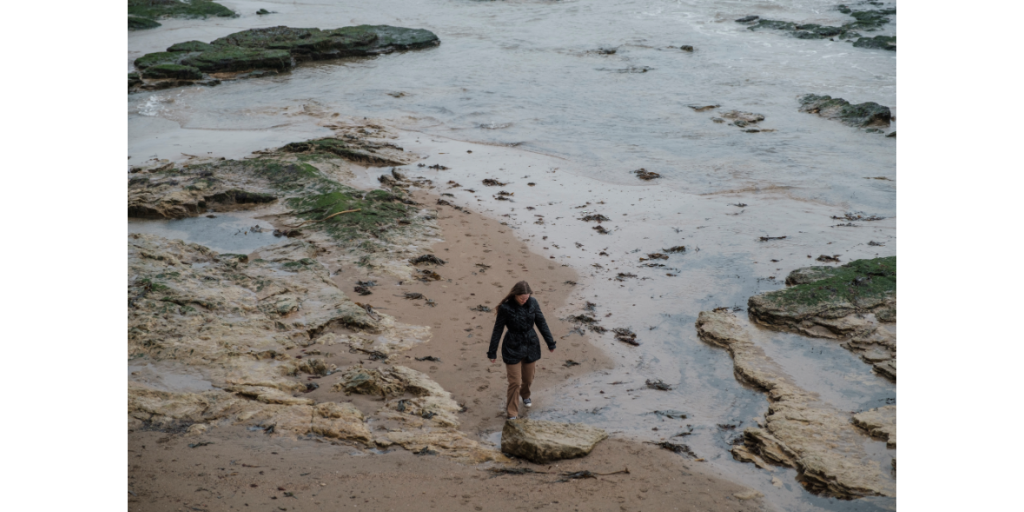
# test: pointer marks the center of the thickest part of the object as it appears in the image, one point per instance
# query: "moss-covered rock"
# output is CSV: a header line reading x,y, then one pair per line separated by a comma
x,y
830,292
229,58
154,59
342,149
878,42
190,46
133,80
172,71
178,9
140,23
861,115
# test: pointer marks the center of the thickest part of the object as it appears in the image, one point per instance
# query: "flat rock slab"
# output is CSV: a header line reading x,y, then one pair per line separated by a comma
x,y
546,441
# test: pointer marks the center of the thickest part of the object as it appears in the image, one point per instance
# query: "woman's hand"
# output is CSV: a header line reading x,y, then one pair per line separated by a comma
x,y
551,350
494,360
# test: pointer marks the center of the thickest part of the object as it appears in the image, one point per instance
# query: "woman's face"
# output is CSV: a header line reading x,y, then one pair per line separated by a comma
x,y
521,299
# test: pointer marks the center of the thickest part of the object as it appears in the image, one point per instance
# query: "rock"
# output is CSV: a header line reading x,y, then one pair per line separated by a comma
x,y
686,48
744,117
229,58
269,395
868,20
877,42
743,454
176,9
172,71
748,495
275,49
892,134
339,421
190,46
133,80
861,115
368,156
140,23
546,441
800,431
829,302
879,422
262,12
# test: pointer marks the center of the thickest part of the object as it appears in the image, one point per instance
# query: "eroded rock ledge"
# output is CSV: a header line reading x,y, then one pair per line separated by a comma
x,y
801,431
835,303
262,51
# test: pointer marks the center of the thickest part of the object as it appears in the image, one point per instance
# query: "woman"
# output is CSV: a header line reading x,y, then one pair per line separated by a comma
x,y
519,312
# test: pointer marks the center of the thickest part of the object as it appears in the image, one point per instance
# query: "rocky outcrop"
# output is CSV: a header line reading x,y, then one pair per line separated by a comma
x,y
834,303
861,115
867,20
140,23
877,42
314,198
277,49
546,441
880,422
178,9
800,431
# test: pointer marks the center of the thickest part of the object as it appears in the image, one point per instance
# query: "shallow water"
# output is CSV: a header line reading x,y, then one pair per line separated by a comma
x,y
224,232
523,77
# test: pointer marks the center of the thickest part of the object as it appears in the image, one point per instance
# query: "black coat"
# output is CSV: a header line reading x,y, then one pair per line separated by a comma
x,y
521,343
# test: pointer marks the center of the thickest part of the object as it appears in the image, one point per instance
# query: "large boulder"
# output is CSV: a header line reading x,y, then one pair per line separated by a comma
x,y
545,441
861,115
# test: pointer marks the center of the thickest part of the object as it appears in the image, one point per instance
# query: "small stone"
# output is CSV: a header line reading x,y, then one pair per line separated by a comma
x,y
686,48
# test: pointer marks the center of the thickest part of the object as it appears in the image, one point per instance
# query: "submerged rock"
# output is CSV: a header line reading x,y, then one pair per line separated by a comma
x,y
140,23
546,441
178,9
861,115
878,42
800,431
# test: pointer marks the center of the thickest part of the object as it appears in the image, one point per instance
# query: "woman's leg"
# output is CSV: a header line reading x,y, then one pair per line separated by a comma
x,y
515,381
527,373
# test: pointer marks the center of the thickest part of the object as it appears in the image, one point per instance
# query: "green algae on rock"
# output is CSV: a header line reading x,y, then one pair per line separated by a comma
x,y
831,302
140,23
861,115
190,46
172,71
276,49
178,9
224,59
880,42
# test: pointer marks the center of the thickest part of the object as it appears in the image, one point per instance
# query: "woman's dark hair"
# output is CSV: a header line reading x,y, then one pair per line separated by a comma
x,y
521,288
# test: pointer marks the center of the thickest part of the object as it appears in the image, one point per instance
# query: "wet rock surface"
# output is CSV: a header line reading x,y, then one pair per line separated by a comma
x,y
141,23
547,441
801,431
833,302
861,115
867,20
879,422
178,9
277,49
